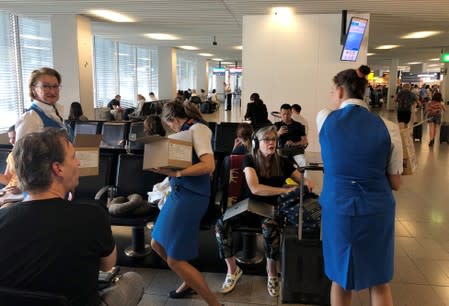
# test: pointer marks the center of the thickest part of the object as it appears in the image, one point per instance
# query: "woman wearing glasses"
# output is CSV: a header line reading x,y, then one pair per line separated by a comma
x,y
265,174
44,87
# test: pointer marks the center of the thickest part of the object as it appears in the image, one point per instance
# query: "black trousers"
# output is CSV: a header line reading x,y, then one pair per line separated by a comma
x,y
228,101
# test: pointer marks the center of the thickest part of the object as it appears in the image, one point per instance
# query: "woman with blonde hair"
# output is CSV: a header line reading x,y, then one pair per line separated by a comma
x,y
176,232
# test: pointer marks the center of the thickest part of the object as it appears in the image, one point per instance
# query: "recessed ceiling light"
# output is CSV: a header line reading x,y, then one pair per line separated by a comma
x,y
205,54
282,12
238,47
227,63
387,47
420,34
434,59
161,36
111,16
369,54
414,63
188,48
217,59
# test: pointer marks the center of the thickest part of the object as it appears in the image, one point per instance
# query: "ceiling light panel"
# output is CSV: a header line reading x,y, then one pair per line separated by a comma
x,y
161,36
111,16
205,54
192,48
420,34
387,47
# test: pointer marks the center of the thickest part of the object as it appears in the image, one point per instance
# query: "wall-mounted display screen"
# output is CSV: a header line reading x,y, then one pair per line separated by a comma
x,y
354,38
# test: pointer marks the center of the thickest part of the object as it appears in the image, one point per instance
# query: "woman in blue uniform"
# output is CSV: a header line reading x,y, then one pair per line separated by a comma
x,y
176,232
362,155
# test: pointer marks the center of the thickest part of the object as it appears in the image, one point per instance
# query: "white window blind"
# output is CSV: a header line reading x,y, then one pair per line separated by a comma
x,y
127,75
35,49
9,98
106,80
185,71
147,72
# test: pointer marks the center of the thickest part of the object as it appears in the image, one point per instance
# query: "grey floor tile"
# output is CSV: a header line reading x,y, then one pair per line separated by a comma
x,y
406,271
415,295
432,271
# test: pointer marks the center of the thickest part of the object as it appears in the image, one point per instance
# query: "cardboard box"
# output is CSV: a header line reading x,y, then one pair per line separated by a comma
x,y
174,151
88,152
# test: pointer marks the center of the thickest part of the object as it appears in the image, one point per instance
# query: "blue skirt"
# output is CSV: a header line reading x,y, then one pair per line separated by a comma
x,y
358,250
177,227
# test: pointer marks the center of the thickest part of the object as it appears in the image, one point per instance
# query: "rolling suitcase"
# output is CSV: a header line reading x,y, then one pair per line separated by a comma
x,y
417,131
205,107
444,132
303,278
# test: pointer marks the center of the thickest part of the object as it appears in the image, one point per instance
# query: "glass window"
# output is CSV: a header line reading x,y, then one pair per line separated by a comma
x,y
35,49
123,69
127,75
186,65
106,81
9,110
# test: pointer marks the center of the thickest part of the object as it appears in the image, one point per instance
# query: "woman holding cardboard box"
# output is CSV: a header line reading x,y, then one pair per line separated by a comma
x,y
176,232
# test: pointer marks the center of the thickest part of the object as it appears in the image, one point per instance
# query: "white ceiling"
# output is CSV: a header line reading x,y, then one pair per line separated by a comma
x,y
198,21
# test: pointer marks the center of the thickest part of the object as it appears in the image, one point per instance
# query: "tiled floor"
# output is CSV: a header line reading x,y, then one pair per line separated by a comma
x,y
422,243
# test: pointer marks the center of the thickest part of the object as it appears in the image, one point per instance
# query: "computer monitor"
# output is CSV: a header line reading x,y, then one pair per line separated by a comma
x,y
87,127
224,137
353,39
131,178
136,132
114,135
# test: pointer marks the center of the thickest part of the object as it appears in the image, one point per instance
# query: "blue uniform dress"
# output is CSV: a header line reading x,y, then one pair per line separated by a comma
x,y
358,207
178,224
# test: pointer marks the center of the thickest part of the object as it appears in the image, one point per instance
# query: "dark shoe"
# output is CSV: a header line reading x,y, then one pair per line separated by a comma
x,y
182,294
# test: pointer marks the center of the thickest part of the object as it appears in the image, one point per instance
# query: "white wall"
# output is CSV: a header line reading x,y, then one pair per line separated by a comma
x,y
72,57
294,62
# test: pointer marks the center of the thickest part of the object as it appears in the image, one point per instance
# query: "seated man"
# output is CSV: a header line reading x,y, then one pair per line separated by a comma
x,y
54,245
292,136
115,108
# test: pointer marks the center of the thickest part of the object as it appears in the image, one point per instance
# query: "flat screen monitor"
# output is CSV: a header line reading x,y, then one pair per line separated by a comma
x,y
86,127
224,137
114,135
354,38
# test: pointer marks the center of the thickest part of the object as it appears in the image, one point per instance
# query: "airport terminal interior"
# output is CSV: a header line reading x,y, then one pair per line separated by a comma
x,y
421,275
111,58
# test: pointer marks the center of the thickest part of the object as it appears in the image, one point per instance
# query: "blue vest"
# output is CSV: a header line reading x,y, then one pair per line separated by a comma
x,y
48,122
199,184
355,147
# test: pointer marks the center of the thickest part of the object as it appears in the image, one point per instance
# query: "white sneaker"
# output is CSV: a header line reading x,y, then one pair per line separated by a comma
x,y
231,280
273,286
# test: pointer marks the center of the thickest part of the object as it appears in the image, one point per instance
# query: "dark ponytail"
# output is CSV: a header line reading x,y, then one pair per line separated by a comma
x,y
183,110
353,81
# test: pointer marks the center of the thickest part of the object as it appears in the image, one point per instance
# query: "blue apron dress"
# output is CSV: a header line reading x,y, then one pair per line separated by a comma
x,y
358,207
177,227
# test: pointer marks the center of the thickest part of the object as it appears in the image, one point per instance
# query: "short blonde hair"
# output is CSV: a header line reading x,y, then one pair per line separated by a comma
x,y
36,74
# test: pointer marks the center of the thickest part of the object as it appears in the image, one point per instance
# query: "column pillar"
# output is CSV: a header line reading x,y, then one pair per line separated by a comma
x,y
444,85
201,78
167,72
72,58
392,84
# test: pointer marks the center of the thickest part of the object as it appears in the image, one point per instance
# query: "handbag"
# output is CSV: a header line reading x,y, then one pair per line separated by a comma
x,y
288,209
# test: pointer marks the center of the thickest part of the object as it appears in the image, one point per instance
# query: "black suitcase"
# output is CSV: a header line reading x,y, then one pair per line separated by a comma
x,y
417,132
303,278
444,132
205,107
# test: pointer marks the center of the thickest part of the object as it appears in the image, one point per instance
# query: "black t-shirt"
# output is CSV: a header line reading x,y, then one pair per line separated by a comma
x,y
295,131
54,245
274,181
113,102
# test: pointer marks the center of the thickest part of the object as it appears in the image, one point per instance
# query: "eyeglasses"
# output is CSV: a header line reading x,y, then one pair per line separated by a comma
x,y
48,87
268,139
